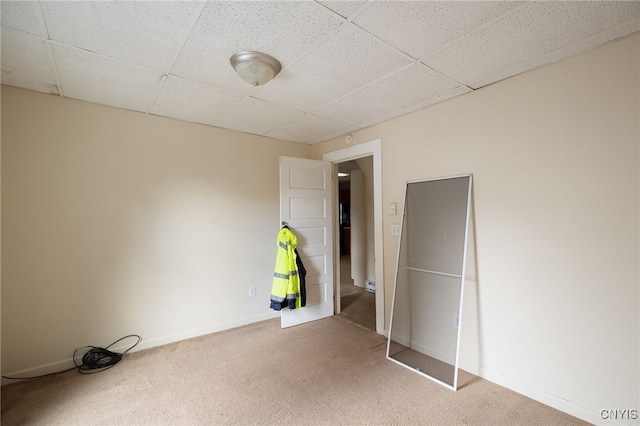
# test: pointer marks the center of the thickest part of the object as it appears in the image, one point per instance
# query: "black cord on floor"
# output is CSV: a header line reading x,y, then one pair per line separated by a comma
x,y
94,360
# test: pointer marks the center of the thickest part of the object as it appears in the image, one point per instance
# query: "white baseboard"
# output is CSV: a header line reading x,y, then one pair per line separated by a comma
x,y
404,341
48,368
66,364
432,352
159,341
539,395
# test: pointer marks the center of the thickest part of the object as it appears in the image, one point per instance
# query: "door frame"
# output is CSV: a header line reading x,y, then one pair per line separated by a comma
x,y
372,148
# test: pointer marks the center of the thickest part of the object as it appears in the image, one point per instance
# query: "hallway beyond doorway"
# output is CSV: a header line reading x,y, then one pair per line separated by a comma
x,y
358,304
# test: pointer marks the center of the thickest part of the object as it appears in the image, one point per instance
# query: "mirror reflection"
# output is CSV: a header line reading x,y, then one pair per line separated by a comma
x,y
427,301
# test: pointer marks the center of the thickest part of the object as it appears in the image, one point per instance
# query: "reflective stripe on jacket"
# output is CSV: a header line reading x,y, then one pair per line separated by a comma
x,y
285,290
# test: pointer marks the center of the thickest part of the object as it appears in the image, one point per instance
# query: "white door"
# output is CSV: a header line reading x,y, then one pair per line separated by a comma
x,y
305,205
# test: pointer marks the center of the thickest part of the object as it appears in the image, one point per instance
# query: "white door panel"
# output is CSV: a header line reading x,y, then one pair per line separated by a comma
x,y
305,205
307,208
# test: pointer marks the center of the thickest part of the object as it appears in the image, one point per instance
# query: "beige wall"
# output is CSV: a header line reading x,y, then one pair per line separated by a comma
x,y
116,222
552,297
366,165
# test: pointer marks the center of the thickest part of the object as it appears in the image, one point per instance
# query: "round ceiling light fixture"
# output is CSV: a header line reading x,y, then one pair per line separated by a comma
x,y
255,68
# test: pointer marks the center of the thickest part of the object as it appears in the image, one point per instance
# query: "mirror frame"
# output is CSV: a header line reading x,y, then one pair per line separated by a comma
x,y
453,386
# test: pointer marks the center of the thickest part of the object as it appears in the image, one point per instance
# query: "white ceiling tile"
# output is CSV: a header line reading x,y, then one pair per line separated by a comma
x,y
419,28
256,116
347,109
567,51
346,64
190,101
25,62
94,78
336,133
285,30
348,60
529,32
22,15
303,89
343,8
139,32
408,86
213,70
310,129
424,103
354,57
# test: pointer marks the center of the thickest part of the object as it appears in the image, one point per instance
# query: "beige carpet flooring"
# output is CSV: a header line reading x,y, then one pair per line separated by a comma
x,y
327,372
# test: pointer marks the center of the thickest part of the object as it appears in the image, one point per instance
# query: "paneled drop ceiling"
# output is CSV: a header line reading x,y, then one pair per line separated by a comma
x,y
347,65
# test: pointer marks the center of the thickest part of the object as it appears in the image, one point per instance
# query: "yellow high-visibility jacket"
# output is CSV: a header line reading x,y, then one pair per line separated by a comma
x,y
285,290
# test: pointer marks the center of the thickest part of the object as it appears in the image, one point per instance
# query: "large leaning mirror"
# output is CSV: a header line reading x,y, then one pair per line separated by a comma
x,y
427,303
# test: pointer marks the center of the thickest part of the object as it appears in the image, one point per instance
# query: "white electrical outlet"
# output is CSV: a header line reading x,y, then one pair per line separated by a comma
x,y
395,230
252,291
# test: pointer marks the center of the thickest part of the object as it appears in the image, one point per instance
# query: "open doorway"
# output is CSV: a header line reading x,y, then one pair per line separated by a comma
x,y
366,149
356,242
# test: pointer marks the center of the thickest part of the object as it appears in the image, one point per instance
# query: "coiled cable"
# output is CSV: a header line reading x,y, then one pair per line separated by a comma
x,y
94,360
